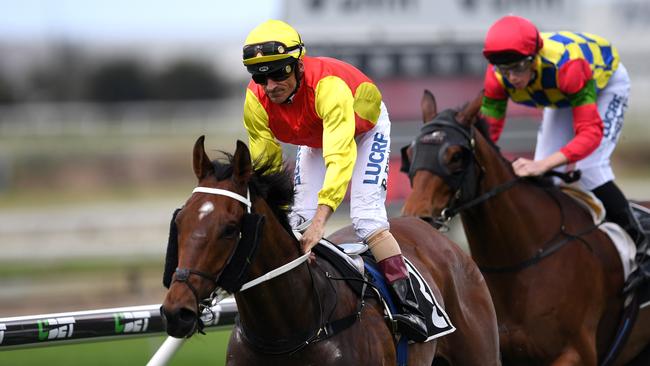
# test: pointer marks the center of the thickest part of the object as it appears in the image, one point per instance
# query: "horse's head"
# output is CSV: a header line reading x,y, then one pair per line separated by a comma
x,y
441,161
215,230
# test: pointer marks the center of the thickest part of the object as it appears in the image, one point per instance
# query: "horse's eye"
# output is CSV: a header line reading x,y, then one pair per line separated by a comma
x,y
456,157
229,232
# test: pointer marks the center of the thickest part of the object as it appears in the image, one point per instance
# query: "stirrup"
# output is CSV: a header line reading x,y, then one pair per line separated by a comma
x,y
411,326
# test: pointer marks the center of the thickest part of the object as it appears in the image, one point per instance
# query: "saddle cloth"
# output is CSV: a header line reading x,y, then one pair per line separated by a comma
x,y
438,323
622,241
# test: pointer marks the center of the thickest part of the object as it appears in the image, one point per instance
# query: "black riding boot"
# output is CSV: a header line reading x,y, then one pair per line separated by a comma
x,y
410,321
619,211
642,273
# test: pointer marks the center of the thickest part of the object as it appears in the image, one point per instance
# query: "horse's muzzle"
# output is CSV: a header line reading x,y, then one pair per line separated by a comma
x,y
179,323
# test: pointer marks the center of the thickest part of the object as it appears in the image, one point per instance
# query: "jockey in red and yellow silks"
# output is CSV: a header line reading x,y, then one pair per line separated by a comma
x,y
580,82
319,116
335,114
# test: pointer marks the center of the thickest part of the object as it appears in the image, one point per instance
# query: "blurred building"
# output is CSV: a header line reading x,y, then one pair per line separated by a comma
x,y
404,45
409,45
421,38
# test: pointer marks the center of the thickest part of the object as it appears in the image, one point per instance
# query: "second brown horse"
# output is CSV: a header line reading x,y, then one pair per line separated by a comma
x,y
555,279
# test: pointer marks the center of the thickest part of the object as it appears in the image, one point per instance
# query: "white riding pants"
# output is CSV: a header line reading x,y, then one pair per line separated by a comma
x,y
556,131
367,186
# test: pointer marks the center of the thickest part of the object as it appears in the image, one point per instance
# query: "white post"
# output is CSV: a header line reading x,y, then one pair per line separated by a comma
x,y
166,351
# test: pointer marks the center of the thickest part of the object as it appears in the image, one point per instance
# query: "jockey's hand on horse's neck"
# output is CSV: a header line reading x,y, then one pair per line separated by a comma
x,y
316,229
526,167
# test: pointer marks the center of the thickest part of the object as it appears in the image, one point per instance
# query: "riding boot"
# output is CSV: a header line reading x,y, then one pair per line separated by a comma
x,y
619,211
410,322
642,272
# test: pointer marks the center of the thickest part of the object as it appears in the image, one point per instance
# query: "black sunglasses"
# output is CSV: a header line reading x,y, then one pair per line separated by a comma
x,y
278,75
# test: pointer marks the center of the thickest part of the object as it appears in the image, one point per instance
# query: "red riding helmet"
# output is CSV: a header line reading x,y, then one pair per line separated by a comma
x,y
511,39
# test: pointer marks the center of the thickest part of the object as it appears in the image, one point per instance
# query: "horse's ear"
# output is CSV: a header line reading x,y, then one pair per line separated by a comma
x,y
201,162
429,107
469,114
241,164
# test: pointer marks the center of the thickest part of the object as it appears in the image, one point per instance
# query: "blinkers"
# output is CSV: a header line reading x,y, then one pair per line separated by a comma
x,y
430,148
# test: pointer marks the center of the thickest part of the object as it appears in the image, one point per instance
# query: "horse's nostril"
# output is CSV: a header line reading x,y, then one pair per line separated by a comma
x,y
186,315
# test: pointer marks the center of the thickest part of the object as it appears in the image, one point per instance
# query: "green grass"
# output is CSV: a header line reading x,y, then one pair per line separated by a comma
x,y
207,349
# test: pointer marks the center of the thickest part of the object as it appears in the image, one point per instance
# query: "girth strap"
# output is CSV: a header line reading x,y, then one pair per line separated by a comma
x,y
296,343
290,345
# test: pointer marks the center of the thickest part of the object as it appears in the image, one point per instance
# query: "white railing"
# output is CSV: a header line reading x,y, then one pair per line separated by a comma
x,y
104,324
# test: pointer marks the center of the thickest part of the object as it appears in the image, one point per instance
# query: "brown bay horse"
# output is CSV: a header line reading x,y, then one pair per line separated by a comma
x,y
554,278
289,301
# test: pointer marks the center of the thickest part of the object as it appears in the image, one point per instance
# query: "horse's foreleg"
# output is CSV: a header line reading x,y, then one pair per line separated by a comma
x,y
582,352
569,357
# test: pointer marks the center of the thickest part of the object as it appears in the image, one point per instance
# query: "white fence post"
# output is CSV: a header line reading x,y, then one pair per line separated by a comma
x,y
166,351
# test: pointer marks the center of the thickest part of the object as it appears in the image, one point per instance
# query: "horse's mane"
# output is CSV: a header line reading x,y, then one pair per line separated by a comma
x,y
482,126
275,187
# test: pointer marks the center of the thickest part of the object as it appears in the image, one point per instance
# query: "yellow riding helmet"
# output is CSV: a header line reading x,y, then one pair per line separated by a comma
x,y
272,45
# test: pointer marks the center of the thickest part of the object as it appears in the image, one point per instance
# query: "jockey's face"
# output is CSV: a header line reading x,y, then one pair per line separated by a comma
x,y
519,73
279,90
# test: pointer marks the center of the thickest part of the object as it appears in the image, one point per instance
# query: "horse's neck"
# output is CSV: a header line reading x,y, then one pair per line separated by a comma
x,y
517,221
286,304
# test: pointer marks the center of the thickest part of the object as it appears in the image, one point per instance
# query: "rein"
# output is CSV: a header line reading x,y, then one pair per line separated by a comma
x,y
276,272
276,346
184,273
548,248
298,342
448,213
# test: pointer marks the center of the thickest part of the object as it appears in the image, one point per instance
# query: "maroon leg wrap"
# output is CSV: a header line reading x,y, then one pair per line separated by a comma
x,y
393,268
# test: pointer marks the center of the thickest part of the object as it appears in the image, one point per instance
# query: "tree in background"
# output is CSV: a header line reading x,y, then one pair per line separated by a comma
x,y
119,81
189,80
59,78
6,91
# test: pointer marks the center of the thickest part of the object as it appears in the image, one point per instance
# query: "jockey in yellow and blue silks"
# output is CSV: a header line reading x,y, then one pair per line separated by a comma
x,y
583,87
335,114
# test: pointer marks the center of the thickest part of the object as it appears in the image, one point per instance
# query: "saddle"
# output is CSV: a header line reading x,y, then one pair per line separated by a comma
x,y
622,241
357,264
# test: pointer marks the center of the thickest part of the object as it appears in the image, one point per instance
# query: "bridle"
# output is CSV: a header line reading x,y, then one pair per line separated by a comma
x,y
429,150
232,275
240,263
183,274
436,133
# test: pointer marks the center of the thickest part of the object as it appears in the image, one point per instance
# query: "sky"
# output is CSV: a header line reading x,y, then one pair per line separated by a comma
x,y
117,20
